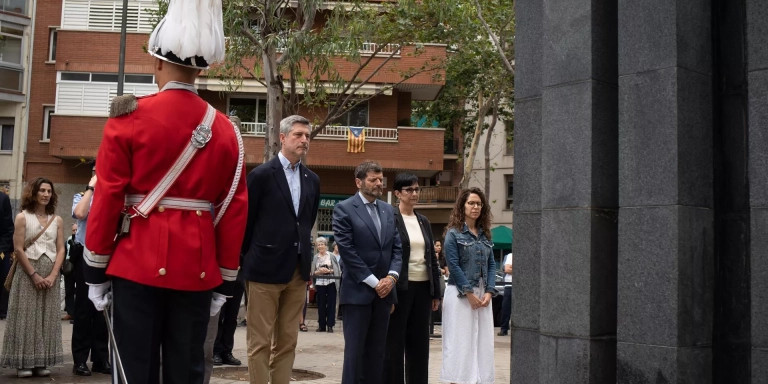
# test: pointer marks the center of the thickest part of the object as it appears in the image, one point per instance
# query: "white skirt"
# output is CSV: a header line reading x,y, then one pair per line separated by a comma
x,y
467,340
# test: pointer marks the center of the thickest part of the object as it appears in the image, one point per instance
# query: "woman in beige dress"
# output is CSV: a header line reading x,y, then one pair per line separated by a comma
x,y
32,341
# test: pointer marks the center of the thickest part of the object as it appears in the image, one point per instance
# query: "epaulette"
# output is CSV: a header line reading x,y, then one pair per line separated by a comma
x,y
122,105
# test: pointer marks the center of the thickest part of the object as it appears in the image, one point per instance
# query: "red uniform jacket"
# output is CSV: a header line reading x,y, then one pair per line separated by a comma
x,y
176,249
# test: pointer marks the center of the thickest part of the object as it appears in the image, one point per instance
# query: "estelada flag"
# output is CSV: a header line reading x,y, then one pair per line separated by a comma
x,y
356,140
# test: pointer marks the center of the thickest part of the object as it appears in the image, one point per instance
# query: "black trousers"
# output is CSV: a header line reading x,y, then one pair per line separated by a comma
x,y
69,293
149,321
225,336
326,305
506,308
365,333
408,336
89,332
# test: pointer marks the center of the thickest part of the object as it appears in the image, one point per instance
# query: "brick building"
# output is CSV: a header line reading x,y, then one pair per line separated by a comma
x,y
74,70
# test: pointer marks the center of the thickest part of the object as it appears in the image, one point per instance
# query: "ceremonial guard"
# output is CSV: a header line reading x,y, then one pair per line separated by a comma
x,y
169,176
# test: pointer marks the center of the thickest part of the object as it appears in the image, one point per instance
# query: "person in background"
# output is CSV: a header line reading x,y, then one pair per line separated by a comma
x,y
69,280
418,290
506,304
226,326
32,340
302,325
324,264
339,307
6,247
441,260
467,310
89,333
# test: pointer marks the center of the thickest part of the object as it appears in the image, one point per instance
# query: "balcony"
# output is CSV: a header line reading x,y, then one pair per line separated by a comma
x,y
431,195
329,132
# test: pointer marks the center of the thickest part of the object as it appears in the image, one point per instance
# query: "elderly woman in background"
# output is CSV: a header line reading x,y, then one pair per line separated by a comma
x,y
324,265
467,310
418,290
32,341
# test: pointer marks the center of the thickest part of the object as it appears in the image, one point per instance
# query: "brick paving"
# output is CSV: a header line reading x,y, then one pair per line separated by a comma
x,y
316,352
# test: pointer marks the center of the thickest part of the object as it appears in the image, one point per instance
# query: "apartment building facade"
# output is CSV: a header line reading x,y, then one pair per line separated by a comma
x,y
74,77
16,36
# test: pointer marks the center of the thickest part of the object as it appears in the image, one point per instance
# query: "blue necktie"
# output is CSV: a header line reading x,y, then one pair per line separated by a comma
x,y
375,217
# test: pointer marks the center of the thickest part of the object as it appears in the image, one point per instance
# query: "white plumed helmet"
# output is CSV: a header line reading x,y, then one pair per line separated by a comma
x,y
190,34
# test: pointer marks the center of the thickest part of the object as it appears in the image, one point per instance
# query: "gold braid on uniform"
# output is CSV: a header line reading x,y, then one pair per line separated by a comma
x,y
122,105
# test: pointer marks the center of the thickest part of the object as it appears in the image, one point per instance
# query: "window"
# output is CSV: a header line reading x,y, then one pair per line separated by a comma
x,y
508,182
140,79
104,77
6,137
325,220
10,56
355,117
107,77
75,76
106,15
248,110
47,113
15,6
52,35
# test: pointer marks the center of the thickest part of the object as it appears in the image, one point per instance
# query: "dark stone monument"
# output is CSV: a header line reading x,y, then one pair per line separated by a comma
x,y
641,214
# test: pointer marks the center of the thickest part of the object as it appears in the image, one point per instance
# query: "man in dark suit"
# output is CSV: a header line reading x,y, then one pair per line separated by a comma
x,y
369,245
283,198
6,247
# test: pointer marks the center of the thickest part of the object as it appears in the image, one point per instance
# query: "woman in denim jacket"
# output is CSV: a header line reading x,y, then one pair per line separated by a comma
x,y
467,312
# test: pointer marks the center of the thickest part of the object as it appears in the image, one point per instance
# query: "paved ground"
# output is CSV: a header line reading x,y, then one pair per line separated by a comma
x,y
316,352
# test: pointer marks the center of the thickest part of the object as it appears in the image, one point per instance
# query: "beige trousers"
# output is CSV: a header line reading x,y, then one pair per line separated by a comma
x,y
273,310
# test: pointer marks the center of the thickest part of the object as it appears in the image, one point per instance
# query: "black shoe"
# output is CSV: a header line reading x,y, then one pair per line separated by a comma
x,y
320,330
330,329
502,333
104,368
228,359
217,360
81,369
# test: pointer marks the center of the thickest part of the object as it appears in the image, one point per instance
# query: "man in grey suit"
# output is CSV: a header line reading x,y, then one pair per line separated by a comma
x,y
369,245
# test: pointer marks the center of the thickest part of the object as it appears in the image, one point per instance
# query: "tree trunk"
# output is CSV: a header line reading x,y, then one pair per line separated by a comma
x,y
274,104
487,151
468,166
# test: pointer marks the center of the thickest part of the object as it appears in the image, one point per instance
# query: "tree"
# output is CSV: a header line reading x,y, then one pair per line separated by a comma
x,y
296,46
479,83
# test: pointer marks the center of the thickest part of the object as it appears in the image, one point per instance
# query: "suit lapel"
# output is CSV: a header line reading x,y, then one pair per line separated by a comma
x,y
362,212
282,183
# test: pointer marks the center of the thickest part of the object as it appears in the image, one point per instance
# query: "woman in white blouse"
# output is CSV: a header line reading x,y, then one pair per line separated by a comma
x,y
32,340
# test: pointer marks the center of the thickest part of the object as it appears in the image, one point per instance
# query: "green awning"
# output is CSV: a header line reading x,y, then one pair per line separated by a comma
x,y
502,238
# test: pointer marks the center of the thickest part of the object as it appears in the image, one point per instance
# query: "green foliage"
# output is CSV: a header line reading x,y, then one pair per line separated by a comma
x,y
300,43
475,70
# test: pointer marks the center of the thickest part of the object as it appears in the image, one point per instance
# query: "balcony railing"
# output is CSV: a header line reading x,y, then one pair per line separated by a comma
x,y
329,132
438,194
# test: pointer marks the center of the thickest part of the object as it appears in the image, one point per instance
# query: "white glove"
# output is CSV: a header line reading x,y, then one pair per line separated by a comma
x,y
100,295
217,302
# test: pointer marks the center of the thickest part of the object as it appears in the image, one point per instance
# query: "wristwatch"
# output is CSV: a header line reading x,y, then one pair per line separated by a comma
x,y
90,188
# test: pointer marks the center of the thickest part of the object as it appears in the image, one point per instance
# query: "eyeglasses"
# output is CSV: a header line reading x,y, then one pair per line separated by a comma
x,y
411,190
475,204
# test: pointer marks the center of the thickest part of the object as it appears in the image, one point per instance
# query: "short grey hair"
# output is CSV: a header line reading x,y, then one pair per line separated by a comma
x,y
286,125
322,239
